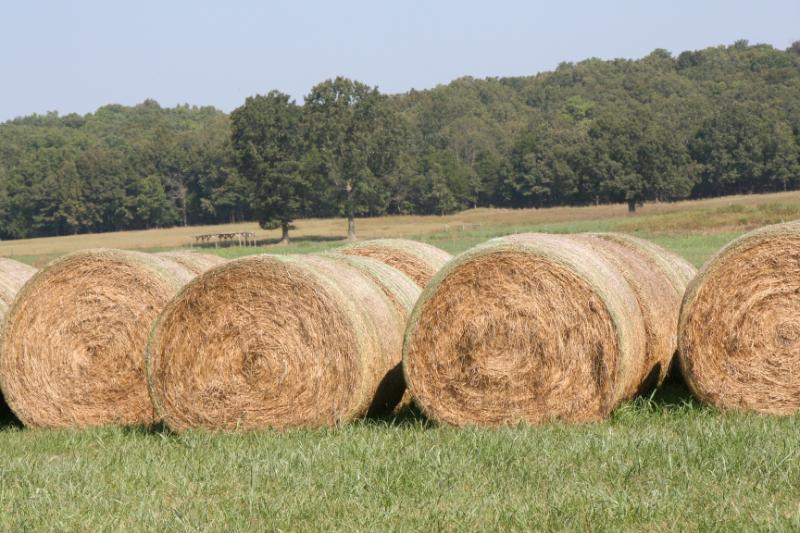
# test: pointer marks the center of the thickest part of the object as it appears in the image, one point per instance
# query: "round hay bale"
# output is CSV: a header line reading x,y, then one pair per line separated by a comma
x,y
739,330
679,270
418,260
196,262
13,276
403,292
530,328
71,351
659,279
279,341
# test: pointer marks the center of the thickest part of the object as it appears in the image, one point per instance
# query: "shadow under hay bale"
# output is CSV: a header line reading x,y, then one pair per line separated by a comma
x,y
280,341
71,352
530,328
739,333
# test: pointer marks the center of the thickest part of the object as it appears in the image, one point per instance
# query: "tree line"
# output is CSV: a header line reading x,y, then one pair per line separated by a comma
x,y
717,121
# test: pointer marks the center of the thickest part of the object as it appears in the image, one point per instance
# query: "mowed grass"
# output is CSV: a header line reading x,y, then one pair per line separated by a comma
x,y
660,463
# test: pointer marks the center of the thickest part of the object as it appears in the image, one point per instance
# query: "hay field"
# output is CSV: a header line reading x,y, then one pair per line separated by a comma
x,y
663,462
731,214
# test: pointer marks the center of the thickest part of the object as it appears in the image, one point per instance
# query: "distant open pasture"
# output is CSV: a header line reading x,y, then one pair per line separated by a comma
x,y
677,225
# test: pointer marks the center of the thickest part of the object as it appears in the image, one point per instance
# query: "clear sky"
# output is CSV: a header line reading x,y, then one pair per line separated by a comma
x,y
75,55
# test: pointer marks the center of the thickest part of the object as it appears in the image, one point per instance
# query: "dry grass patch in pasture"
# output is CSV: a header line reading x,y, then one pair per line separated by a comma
x,y
455,226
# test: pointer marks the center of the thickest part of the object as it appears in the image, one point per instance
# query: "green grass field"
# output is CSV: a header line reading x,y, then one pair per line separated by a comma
x,y
660,463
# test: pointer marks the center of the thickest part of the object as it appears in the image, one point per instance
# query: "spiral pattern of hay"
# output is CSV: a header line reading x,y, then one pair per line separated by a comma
x,y
280,341
13,276
532,327
417,260
197,262
71,352
739,334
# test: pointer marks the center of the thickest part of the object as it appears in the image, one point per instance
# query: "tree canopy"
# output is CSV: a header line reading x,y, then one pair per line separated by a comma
x,y
717,121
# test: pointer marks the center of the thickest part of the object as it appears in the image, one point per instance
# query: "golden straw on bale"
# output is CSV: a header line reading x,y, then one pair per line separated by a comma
x,y
13,276
658,279
281,341
534,327
71,352
197,262
739,334
417,260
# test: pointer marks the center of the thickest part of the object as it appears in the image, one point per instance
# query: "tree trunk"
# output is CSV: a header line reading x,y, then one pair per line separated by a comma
x,y
284,233
351,223
631,206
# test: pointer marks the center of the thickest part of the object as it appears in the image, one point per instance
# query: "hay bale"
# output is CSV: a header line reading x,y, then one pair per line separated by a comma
x,y
417,260
403,292
739,331
530,328
679,270
13,276
658,279
196,262
71,351
280,341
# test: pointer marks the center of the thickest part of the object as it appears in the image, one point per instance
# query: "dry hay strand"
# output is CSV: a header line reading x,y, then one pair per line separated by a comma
x,y
403,292
739,331
418,260
279,341
73,342
13,276
659,279
196,262
530,328
679,270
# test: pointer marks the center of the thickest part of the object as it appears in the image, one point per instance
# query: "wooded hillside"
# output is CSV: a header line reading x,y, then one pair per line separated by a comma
x,y
702,123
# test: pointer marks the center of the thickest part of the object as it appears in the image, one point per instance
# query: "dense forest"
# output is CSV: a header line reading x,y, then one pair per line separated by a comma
x,y
703,123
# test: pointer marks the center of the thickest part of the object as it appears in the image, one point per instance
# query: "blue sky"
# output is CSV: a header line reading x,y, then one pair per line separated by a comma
x,y
73,56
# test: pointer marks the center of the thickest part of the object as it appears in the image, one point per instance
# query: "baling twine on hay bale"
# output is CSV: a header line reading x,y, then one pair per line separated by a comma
x,y
280,341
71,351
533,327
739,333
418,260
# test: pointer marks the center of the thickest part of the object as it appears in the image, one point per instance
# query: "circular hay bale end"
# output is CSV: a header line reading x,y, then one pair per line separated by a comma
x,y
527,328
196,262
73,342
417,260
277,341
739,333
